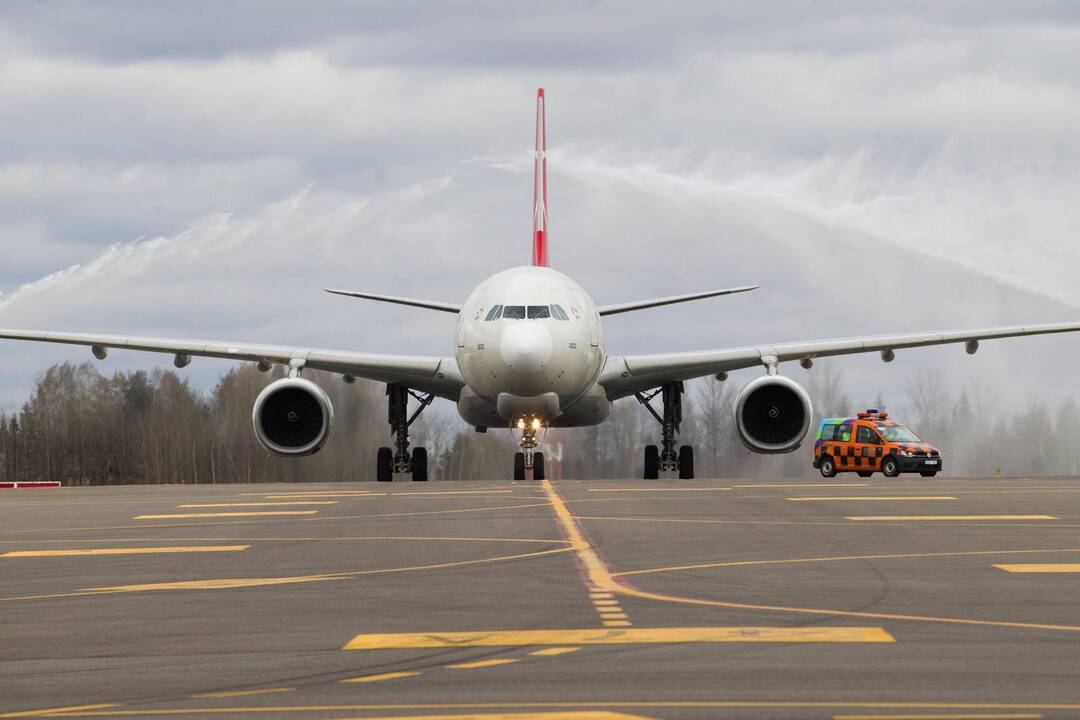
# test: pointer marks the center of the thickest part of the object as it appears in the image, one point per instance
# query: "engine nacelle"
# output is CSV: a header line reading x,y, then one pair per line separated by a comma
x,y
773,414
292,416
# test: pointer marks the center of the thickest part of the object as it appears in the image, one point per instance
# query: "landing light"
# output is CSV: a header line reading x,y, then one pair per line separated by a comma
x,y
521,424
536,423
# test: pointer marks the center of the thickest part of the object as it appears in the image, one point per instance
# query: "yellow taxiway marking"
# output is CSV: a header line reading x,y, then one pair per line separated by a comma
x,y
380,678
320,495
841,558
1040,568
50,711
241,693
259,504
600,577
658,489
581,706
842,498
596,601
630,636
546,652
482,664
798,485
981,716
230,583
453,492
125,551
571,715
226,514
947,518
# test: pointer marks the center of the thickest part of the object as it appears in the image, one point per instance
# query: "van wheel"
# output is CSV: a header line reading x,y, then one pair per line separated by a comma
x,y
890,467
827,467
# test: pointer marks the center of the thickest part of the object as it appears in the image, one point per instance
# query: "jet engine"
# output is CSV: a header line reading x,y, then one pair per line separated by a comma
x,y
292,416
773,414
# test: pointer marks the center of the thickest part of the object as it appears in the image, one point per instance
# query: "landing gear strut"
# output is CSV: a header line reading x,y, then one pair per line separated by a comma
x,y
667,457
398,459
528,458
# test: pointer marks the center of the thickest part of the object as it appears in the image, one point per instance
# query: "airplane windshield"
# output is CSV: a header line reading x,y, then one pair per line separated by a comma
x,y
897,433
537,312
514,312
559,313
494,313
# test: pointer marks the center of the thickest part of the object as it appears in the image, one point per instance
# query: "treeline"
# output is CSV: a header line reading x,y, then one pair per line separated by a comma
x,y
82,428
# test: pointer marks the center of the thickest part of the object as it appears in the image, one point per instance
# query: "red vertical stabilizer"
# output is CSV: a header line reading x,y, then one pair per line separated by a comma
x,y
540,214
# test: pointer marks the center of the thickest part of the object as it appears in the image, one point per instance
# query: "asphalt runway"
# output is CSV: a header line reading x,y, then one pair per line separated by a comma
x,y
880,598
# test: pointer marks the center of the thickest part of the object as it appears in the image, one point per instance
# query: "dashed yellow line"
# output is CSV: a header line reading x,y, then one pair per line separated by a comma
x,y
259,504
226,514
482,664
51,711
125,551
843,498
948,518
241,693
1040,568
380,678
546,652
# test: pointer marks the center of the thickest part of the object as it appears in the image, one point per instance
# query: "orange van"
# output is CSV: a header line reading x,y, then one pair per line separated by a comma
x,y
870,443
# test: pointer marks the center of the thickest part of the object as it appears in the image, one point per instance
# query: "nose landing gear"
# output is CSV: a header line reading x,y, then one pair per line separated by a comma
x,y
399,459
666,457
528,458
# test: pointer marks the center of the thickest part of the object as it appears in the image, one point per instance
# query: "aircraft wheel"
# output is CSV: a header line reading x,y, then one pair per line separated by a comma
x,y
652,462
519,466
538,466
686,462
890,467
419,464
827,467
932,473
384,465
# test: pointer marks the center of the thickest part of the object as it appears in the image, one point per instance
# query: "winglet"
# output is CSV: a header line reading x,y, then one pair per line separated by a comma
x,y
540,215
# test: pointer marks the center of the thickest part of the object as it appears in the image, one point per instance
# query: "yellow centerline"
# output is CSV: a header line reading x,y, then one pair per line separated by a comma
x,y
241,693
259,504
947,518
482,664
380,678
601,577
1041,568
842,498
225,514
125,551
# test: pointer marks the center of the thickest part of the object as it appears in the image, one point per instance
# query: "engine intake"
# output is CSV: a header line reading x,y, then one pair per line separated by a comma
x,y
292,416
773,414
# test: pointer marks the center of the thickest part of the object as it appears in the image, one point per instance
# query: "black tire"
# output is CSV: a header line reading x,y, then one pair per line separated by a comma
x,y
932,473
827,466
652,462
538,466
384,465
419,464
519,466
686,462
864,473
890,466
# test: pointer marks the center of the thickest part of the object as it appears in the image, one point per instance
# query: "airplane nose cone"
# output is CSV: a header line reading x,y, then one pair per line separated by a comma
x,y
525,346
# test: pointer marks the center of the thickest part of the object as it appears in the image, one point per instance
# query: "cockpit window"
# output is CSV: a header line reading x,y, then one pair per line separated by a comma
x,y
514,312
559,313
494,313
537,312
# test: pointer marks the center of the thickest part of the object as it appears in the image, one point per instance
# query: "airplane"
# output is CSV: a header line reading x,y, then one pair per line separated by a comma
x,y
529,355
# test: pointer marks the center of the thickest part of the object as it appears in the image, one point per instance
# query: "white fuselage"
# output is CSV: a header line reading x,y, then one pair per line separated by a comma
x,y
529,344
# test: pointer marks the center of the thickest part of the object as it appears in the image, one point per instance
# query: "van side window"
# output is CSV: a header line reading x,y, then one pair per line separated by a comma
x,y
828,432
867,435
843,433
494,313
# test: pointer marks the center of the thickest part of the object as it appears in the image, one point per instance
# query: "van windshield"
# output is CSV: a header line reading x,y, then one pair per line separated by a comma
x,y
897,433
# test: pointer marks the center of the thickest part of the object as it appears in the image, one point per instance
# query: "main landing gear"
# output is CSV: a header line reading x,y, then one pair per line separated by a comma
x,y
528,459
398,459
665,457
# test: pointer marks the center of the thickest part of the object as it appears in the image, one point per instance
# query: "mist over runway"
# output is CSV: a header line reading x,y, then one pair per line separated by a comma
x,y
770,598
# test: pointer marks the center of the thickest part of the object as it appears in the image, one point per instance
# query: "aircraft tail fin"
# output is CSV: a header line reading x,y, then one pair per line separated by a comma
x,y
540,214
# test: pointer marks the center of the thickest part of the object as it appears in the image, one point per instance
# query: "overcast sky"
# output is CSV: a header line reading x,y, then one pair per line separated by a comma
x,y
203,169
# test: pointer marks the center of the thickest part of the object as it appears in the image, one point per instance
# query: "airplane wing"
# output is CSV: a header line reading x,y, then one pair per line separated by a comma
x,y
657,302
623,376
438,375
413,302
